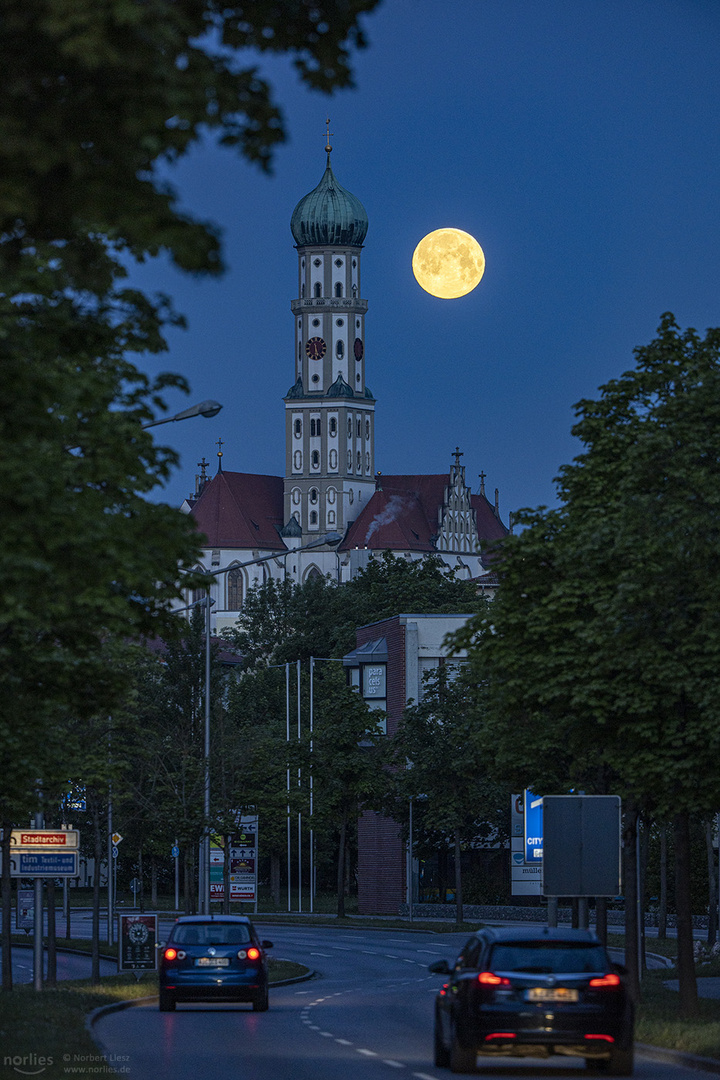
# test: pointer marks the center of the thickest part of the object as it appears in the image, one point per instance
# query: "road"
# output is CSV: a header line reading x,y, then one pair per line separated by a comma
x,y
366,1016
69,966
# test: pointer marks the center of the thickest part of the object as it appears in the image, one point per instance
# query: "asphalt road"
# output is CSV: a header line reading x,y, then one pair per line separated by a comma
x,y
366,1016
69,966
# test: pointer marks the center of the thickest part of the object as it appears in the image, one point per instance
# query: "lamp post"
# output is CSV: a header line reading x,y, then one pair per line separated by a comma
x,y
205,408
328,539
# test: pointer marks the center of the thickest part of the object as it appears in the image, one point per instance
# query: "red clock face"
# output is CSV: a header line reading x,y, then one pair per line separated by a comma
x,y
315,348
359,349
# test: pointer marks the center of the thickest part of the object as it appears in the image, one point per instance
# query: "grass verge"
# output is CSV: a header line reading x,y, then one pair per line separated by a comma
x,y
659,1024
44,1034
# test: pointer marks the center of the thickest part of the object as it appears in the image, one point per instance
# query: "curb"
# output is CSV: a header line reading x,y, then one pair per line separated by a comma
x,y
105,1010
677,1057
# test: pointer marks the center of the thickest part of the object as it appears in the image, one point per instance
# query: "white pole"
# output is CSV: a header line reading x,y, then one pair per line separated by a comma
x,y
312,834
299,823
287,737
177,878
205,908
410,862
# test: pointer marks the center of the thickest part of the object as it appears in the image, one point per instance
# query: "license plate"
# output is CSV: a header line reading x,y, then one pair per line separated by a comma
x,y
559,993
212,961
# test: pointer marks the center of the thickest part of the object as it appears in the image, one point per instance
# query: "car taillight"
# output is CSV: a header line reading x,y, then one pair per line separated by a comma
x,y
489,978
604,1038
170,954
253,953
611,979
501,1035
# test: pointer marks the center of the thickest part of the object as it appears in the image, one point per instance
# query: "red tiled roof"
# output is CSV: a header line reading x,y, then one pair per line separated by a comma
x,y
404,515
241,510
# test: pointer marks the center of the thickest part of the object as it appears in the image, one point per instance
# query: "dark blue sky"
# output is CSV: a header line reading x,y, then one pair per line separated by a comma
x,y
578,141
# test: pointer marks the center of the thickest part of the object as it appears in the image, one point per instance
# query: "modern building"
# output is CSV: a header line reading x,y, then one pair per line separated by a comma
x,y
330,484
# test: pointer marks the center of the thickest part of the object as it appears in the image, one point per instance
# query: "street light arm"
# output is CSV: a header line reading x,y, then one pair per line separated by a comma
x,y
205,408
329,538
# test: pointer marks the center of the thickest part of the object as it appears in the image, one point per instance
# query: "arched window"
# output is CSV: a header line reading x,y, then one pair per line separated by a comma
x,y
314,428
349,427
358,429
340,349
367,429
318,288
333,426
316,459
338,288
302,292
331,517
313,517
298,428
313,495
234,590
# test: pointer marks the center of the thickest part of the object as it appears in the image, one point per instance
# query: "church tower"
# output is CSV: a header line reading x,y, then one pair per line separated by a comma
x,y
329,411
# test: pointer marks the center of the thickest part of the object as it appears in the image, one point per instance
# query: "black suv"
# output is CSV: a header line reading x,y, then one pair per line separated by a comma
x,y
532,993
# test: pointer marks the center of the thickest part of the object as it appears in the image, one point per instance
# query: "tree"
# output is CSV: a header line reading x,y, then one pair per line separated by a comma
x,y
438,759
602,649
97,98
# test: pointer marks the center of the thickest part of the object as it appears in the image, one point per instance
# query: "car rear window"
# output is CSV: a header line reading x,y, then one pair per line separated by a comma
x,y
564,957
215,933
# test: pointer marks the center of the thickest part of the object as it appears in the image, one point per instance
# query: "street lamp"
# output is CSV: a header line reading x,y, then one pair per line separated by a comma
x,y
205,408
328,539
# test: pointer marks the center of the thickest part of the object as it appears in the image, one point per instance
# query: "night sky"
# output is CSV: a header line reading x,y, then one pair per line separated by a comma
x,y
577,141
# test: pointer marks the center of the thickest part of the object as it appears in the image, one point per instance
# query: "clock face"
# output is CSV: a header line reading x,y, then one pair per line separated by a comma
x,y
315,348
359,349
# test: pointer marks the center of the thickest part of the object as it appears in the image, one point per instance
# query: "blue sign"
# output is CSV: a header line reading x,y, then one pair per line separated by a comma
x,y
45,864
533,828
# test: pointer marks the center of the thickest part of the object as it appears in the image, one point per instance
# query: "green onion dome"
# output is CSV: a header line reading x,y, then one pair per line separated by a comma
x,y
329,216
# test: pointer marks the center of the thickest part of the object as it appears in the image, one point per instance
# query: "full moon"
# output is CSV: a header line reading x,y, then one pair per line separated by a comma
x,y
448,263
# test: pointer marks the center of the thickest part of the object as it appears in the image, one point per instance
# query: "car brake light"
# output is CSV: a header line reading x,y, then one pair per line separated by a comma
x,y
605,1038
611,979
253,953
501,1035
170,954
489,978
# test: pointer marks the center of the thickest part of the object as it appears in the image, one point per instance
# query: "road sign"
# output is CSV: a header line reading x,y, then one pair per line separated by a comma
x,y
174,851
116,838
524,880
137,942
115,852
44,839
533,828
582,845
44,864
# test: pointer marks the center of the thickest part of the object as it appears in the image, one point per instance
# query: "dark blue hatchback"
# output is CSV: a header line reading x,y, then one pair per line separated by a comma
x,y
214,958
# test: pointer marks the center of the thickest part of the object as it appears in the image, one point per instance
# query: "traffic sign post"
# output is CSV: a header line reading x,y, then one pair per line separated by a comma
x,y
44,864
582,845
44,839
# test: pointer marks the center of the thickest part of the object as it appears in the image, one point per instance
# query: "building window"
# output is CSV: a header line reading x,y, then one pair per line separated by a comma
x,y
318,288
367,463
359,461
333,426
349,460
367,429
316,322
297,460
235,590
338,288
338,263
302,292
331,496
298,428
359,429
313,517
331,517
313,495
296,496
333,459
349,427
315,459
314,428
340,349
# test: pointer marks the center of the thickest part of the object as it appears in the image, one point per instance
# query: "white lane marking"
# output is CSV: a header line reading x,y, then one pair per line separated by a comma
x,y
367,1053
341,948
343,1042
389,956
327,1034
424,1076
431,951
406,961
325,954
395,1064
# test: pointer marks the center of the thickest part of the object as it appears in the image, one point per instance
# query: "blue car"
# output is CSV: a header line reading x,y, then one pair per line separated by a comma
x,y
214,958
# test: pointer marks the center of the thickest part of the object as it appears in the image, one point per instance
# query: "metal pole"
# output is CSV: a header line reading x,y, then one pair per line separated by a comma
x,y
177,880
299,811
410,862
38,923
640,921
287,738
206,804
111,861
312,834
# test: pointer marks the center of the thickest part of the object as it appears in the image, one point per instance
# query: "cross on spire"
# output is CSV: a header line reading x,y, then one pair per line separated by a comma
x,y
328,136
220,445
457,455
203,465
482,476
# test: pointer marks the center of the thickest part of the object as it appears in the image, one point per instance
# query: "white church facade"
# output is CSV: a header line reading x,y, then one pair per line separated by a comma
x,y
330,486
